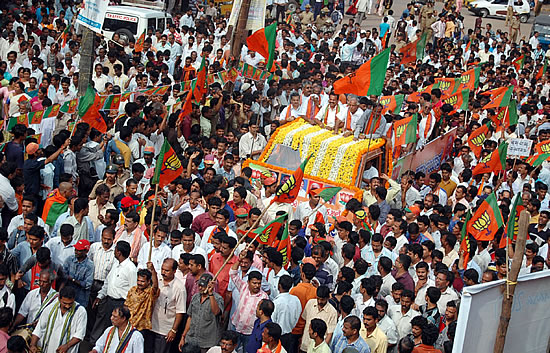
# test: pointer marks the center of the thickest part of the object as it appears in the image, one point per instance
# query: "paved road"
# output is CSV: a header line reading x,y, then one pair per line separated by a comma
x,y
469,18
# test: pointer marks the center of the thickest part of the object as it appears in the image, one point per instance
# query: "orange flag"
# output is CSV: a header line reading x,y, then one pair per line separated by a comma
x,y
477,138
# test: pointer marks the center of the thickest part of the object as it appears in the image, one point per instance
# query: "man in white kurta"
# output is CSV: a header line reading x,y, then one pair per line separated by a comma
x,y
329,115
121,330
306,212
65,312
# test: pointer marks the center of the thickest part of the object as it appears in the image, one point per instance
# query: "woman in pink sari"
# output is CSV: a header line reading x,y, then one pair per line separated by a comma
x,y
36,102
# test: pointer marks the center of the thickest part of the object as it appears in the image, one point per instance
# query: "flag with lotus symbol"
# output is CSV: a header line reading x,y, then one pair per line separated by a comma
x,y
487,220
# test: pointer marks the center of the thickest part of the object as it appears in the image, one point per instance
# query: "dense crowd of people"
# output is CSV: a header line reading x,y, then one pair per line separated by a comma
x,y
90,258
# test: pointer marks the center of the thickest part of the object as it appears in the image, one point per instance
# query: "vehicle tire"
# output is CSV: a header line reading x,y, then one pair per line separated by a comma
x,y
292,6
484,12
125,34
523,18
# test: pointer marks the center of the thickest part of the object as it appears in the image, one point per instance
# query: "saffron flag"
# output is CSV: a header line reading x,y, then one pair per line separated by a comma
x,y
458,100
285,247
506,116
54,206
415,97
470,79
326,193
538,159
268,234
542,71
168,166
518,63
138,47
447,86
368,79
200,88
477,138
512,227
493,162
542,147
465,243
414,51
487,220
405,130
263,42
88,109
288,191
112,102
499,97
65,36
392,104
187,107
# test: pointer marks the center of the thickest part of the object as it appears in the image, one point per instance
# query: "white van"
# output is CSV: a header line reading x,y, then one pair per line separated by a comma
x,y
498,8
130,22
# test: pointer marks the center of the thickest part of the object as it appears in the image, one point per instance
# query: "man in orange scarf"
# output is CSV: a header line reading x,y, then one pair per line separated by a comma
x,y
272,339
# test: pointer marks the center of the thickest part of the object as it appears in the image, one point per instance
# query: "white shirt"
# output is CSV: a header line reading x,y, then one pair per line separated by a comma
x,y
135,344
249,144
387,282
8,193
329,116
10,299
178,250
59,251
120,279
19,221
273,281
78,328
186,208
157,255
171,301
32,303
421,295
446,296
360,305
287,311
103,260
304,210
402,321
206,245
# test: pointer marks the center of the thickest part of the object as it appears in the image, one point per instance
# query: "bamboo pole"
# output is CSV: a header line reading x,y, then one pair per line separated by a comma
x,y
241,240
151,235
507,301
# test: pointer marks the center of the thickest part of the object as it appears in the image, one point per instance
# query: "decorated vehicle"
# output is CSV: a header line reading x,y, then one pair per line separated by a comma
x,y
337,160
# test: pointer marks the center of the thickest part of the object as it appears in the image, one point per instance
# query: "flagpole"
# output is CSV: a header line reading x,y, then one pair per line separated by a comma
x,y
241,240
151,236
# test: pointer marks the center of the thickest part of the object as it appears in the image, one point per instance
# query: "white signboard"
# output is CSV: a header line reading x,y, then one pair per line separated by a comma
x,y
480,310
256,14
519,147
92,14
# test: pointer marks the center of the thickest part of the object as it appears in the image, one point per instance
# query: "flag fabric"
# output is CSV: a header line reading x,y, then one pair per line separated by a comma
x,y
542,71
518,63
493,162
465,240
54,206
414,51
268,234
112,102
538,159
405,130
88,109
477,138
64,36
512,227
368,79
200,88
448,86
187,107
415,97
69,107
285,247
263,42
385,39
392,104
138,47
326,193
487,220
542,147
458,100
506,116
319,218
470,79
288,191
499,97
168,166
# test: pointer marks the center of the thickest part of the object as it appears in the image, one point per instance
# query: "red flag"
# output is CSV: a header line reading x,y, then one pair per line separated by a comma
x,y
487,220
168,166
288,191
542,147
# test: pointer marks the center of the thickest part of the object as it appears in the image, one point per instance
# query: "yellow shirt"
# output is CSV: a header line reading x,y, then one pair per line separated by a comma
x,y
125,152
377,340
449,186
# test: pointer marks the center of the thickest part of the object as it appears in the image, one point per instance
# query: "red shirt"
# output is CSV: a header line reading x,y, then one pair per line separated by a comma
x,y
223,278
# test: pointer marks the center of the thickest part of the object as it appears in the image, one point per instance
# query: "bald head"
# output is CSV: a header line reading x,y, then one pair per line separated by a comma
x,y
65,188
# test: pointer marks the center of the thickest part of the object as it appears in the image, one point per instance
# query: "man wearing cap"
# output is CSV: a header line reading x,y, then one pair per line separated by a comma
x,y
32,167
306,18
240,222
307,211
252,144
148,159
80,271
412,213
111,181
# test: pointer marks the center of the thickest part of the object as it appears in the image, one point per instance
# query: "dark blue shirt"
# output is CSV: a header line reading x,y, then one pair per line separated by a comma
x,y
14,153
31,176
255,340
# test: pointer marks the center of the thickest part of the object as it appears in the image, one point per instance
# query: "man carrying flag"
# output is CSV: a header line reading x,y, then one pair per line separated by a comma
x,y
168,166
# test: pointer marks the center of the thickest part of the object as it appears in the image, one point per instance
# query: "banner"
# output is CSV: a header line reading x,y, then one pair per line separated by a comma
x,y
519,147
92,14
480,311
428,159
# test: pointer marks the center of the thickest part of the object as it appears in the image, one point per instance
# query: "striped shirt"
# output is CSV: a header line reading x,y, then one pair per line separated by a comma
x,y
103,260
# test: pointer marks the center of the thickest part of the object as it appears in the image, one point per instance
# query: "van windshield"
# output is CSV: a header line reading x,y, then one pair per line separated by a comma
x,y
114,22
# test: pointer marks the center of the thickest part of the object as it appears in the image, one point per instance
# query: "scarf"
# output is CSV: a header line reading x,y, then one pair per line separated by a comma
x,y
47,301
217,230
348,121
265,348
124,340
65,332
325,117
312,109
135,240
